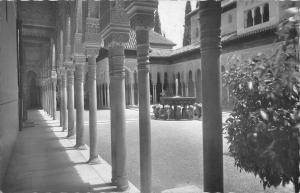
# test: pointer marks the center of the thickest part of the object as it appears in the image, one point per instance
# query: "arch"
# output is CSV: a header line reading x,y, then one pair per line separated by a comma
x,y
158,87
266,13
190,84
198,86
33,90
249,19
257,16
179,84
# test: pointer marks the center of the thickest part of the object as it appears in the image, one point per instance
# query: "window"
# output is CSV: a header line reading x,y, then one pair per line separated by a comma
x,y
266,13
249,19
229,18
257,15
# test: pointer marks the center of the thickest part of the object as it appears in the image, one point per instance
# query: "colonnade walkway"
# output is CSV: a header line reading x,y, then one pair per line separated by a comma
x,y
44,161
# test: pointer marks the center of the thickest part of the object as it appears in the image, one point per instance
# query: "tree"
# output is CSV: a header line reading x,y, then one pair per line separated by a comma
x,y
263,128
157,25
187,25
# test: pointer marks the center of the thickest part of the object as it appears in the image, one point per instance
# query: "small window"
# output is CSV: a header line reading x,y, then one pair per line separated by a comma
x,y
266,13
229,18
257,16
249,19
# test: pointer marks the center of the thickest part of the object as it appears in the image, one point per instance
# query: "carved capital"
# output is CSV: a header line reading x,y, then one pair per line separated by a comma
x,y
116,61
53,74
78,48
117,38
69,65
79,59
141,13
92,49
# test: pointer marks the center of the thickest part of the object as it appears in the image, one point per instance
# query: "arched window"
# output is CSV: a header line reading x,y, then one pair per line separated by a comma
x,y
249,19
266,13
257,16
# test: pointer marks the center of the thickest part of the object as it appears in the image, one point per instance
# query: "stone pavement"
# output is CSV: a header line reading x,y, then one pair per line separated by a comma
x,y
44,161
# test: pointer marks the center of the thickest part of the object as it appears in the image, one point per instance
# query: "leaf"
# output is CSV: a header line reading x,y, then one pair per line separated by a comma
x,y
264,115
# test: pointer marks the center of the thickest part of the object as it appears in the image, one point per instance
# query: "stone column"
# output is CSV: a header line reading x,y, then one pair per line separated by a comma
x,y
144,108
64,99
142,19
132,90
117,97
94,157
70,94
107,95
80,61
210,22
54,81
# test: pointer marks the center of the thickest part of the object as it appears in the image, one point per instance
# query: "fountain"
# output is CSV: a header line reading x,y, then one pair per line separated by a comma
x,y
179,106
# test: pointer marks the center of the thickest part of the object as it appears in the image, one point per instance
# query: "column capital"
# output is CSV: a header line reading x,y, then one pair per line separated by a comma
x,y
53,75
69,66
115,26
141,13
79,59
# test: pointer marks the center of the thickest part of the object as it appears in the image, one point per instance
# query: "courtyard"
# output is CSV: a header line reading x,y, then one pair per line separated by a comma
x,y
176,154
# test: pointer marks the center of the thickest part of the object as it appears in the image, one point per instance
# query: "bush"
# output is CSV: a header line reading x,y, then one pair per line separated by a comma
x,y
263,128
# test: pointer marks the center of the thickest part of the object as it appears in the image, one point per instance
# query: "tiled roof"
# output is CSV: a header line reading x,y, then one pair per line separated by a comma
x,y
154,38
196,45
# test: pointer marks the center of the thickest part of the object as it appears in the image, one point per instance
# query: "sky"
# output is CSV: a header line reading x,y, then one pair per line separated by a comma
x,y
171,13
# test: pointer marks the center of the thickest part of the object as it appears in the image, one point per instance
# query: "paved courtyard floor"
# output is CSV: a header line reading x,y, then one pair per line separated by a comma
x,y
44,161
176,155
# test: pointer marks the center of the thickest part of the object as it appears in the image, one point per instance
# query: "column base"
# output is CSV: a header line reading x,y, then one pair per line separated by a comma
x,y
71,136
94,160
81,147
122,183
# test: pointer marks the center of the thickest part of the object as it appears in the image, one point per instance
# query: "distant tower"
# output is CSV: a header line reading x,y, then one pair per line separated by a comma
x,y
187,25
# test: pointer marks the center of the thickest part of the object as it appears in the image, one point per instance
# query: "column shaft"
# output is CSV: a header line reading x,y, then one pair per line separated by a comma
x,y
54,98
94,157
210,23
64,100
80,106
117,85
142,36
60,103
70,87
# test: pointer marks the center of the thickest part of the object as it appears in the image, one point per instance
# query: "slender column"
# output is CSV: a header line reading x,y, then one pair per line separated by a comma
x,y
60,102
132,94
210,22
117,81
154,93
107,95
94,157
79,62
54,81
142,36
101,96
141,18
70,94
64,99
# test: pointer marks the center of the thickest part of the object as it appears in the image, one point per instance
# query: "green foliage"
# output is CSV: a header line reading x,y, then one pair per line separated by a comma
x,y
187,25
263,128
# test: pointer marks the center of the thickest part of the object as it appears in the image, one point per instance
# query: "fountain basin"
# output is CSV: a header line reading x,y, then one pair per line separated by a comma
x,y
177,100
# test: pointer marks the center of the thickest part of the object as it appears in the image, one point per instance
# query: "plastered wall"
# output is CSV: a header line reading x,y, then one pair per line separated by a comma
x,y
8,84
